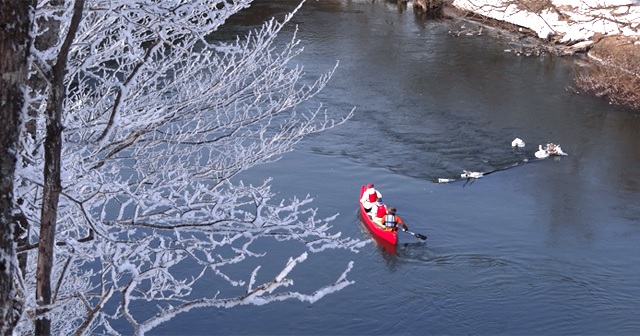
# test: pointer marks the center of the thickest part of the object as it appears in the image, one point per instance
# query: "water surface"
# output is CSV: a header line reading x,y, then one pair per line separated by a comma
x,y
547,247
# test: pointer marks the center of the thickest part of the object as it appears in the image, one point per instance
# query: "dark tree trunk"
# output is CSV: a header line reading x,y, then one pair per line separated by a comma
x,y
15,22
52,168
50,26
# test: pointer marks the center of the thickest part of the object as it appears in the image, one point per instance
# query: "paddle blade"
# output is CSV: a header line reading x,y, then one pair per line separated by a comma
x,y
417,235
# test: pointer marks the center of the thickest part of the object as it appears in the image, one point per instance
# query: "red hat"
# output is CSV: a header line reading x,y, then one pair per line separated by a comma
x,y
370,185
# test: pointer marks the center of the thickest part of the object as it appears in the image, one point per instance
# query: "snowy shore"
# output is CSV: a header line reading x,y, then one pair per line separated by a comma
x,y
607,31
568,22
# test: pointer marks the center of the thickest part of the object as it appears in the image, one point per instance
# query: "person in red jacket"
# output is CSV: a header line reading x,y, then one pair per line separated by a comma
x,y
369,197
391,221
378,211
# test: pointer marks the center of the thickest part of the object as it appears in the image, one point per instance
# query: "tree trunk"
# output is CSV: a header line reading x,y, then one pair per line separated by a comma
x,y
50,26
52,184
15,19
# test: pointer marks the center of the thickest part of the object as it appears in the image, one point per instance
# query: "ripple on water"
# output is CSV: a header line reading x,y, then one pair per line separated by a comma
x,y
549,295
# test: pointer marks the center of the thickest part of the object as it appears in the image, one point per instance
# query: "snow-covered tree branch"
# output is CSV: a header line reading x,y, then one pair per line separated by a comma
x,y
156,122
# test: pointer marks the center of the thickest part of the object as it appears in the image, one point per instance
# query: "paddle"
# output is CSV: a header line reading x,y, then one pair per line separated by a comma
x,y
417,235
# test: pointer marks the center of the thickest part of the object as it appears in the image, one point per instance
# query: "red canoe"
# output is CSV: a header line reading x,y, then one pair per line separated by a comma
x,y
382,236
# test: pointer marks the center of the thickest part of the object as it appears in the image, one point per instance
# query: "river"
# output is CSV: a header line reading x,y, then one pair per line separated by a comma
x,y
548,247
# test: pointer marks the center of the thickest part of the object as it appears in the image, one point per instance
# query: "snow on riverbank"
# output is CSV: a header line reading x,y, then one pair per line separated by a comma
x,y
568,21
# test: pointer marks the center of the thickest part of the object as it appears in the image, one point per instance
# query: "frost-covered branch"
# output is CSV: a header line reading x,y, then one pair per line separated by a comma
x,y
260,295
157,122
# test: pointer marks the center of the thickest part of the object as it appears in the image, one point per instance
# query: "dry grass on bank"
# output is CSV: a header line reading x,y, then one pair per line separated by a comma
x,y
616,76
534,6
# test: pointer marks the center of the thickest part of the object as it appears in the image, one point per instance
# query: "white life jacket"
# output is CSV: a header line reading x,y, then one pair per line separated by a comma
x,y
390,220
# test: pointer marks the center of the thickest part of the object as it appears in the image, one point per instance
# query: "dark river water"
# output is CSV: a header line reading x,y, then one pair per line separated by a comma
x,y
550,247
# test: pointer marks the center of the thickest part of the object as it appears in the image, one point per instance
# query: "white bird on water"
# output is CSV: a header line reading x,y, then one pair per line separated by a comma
x,y
470,174
541,153
554,149
517,142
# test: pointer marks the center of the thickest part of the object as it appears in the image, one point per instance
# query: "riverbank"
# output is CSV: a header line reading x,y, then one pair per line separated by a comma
x,y
607,31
